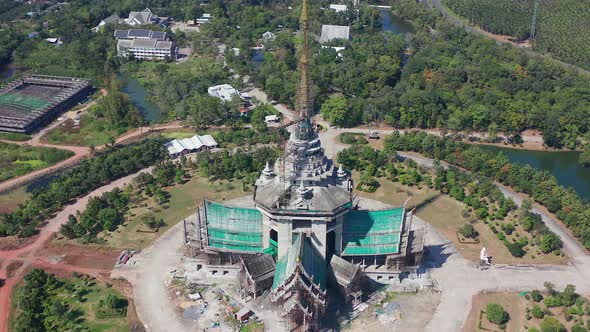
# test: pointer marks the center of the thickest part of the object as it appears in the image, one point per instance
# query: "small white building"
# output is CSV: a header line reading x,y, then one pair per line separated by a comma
x,y
224,92
197,143
271,119
269,36
205,18
338,8
331,32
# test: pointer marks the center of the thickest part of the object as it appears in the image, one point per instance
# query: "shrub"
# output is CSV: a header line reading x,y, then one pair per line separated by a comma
x,y
536,296
537,312
578,328
551,324
515,248
468,231
508,228
549,243
551,301
496,314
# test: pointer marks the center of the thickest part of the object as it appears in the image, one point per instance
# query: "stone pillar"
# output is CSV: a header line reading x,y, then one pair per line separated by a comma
x,y
265,231
319,235
338,235
284,236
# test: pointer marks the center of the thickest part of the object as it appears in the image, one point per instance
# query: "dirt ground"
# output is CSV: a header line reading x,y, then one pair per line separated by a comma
x,y
100,258
416,311
13,242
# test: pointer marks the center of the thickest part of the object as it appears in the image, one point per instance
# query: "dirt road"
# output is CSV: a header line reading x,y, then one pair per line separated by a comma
x,y
80,152
28,254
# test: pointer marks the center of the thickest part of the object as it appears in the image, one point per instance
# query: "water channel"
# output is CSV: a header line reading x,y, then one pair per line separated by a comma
x,y
394,23
139,96
7,71
562,164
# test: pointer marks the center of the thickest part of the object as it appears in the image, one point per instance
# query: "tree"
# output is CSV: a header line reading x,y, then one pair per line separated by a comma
x,y
537,312
551,324
549,243
584,158
334,110
468,231
495,314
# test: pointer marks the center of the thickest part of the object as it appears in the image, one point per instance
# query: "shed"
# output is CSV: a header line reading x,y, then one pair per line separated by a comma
x,y
243,314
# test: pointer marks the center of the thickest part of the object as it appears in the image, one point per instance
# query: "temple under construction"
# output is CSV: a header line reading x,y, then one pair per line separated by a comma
x,y
304,231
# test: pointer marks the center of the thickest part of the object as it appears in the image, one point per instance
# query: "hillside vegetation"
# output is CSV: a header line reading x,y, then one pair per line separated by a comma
x,y
562,26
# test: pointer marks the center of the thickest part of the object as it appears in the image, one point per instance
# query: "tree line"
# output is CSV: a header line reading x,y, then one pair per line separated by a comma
x,y
541,186
92,173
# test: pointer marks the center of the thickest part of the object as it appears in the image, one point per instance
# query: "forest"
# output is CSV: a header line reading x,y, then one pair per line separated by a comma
x,y
89,175
541,186
561,28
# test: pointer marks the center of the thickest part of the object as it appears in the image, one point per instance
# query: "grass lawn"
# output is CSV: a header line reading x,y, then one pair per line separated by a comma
x,y
11,199
17,160
178,134
15,136
92,131
182,203
87,305
253,327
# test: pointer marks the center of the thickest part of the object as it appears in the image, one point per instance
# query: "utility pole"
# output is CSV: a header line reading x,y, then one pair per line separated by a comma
x,y
534,24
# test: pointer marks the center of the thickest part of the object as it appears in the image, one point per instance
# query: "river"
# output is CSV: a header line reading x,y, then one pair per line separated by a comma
x,y
149,111
562,164
394,23
7,71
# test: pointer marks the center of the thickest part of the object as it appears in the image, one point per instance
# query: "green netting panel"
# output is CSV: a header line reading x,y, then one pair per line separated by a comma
x,y
233,228
286,264
372,232
23,101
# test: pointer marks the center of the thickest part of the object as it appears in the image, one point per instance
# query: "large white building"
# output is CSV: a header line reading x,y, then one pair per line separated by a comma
x,y
331,32
145,44
180,147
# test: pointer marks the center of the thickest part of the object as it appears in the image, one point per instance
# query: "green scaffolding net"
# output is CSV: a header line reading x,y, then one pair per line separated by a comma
x,y
372,232
233,228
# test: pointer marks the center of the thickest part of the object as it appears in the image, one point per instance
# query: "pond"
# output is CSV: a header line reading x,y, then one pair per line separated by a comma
x,y
149,111
394,23
562,164
7,71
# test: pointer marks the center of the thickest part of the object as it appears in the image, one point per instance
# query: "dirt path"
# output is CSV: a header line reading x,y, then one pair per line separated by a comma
x,y
29,254
80,152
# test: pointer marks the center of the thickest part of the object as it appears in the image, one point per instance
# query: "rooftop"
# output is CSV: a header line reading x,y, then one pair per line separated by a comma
x,y
372,232
331,32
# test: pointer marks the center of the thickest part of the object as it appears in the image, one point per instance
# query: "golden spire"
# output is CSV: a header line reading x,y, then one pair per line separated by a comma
x,y
304,99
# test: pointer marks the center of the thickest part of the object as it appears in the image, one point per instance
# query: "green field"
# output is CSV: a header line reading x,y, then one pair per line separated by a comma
x,y
562,27
15,137
16,160
92,131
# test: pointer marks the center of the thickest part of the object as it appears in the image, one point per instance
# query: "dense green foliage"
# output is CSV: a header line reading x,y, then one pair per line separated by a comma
x,y
562,26
89,175
117,110
496,314
464,82
17,160
468,231
585,156
505,17
540,185
102,213
45,303
237,165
